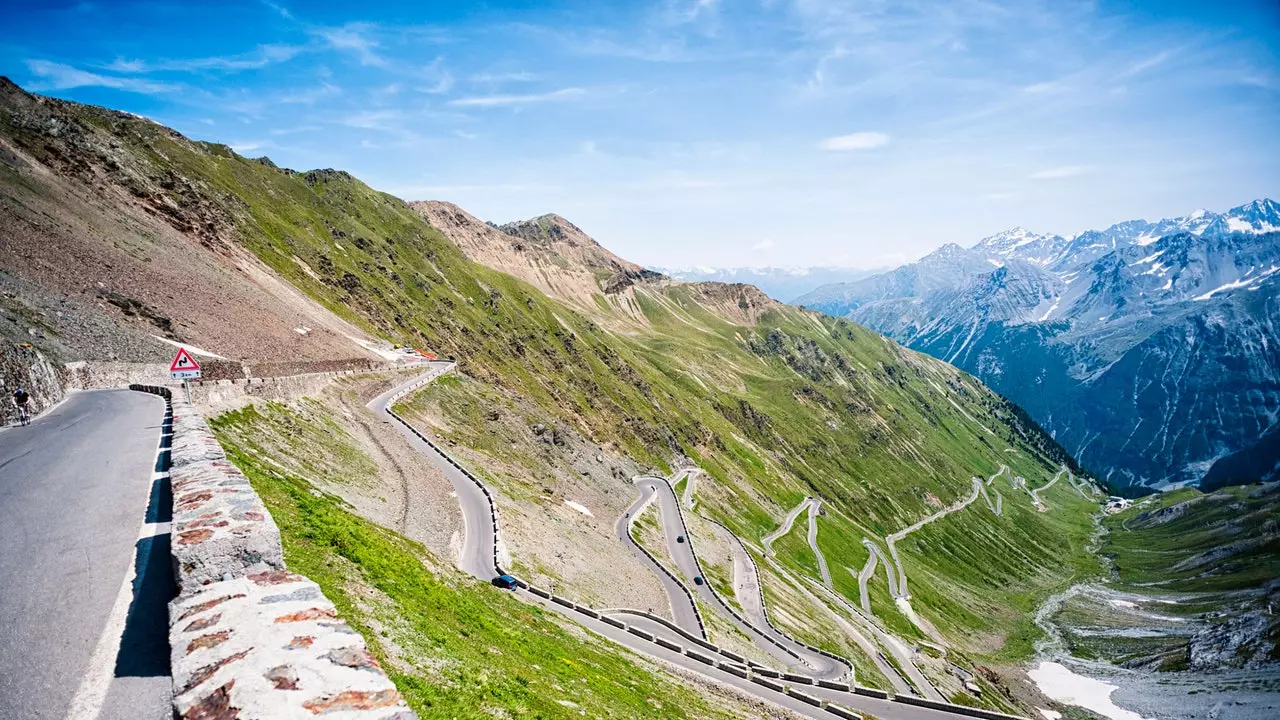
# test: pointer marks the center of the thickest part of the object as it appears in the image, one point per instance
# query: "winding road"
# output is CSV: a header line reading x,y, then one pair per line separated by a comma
x,y
476,555
683,610
85,570
892,540
477,558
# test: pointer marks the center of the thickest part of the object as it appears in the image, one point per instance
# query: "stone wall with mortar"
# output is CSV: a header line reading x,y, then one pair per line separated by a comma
x,y
249,639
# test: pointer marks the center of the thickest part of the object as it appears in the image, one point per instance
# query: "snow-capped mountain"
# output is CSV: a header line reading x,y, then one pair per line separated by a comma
x,y
1147,348
782,284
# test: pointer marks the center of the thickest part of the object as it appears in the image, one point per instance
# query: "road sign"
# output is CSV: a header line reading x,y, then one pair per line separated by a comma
x,y
184,367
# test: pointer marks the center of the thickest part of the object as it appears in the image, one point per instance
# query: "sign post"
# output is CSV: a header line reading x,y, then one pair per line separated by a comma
x,y
184,368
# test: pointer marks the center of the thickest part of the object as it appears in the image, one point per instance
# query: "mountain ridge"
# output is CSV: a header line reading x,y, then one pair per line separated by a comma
x,y
1087,313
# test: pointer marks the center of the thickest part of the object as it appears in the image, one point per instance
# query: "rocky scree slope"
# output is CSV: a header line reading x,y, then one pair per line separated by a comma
x,y
116,231
1143,348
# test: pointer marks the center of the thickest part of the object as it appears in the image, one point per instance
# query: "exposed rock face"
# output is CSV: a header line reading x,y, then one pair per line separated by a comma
x,y
548,252
558,258
1144,348
22,366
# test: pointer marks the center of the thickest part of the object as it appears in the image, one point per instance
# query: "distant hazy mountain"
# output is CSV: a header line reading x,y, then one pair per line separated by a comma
x,y
783,284
1148,348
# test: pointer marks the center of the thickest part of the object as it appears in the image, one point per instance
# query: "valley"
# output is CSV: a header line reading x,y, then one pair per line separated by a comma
x,y
695,460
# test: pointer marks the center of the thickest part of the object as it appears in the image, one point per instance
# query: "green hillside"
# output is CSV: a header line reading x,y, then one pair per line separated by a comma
x,y
796,404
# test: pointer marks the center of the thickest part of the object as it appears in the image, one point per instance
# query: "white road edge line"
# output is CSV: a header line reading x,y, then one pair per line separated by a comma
x,y
87,703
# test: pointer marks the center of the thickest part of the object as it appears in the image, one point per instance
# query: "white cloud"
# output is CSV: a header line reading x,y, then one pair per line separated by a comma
x,y
263,56
763,245
56,76
497,78
855,141
353,38
509,100
1058,173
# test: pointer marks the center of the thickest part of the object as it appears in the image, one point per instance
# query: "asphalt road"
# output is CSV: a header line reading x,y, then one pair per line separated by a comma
x,y
476,560
75,487
476,557
764,636
683,611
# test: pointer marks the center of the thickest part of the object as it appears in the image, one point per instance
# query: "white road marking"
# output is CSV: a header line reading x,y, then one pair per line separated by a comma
x,y
92,693
87,703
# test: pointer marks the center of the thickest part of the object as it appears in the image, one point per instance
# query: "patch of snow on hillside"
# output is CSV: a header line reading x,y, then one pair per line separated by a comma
x,y
995,262
1049,312
1235,284
1150,258
580,508
1060,683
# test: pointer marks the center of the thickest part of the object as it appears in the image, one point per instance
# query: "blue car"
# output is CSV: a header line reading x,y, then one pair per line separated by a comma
x,y
506,582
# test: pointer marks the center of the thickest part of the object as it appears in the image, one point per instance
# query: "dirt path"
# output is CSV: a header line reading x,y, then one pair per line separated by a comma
x,y
892,540
785,528
1035,494
814,509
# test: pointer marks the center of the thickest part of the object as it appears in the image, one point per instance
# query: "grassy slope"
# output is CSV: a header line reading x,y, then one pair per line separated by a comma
x,y
800,404
455,647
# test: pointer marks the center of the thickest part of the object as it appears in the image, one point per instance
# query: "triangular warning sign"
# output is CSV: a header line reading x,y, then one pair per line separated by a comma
x,y
183,361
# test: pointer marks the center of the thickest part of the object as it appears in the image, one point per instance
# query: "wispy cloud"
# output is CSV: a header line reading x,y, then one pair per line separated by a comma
x,y
312,95
354,38
855,141
56,76
263,56
437,76
1057,173
497,78
763,245
560,95
1146,64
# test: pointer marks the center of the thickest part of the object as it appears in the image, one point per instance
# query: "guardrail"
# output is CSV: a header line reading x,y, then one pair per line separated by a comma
x,y
493,505
951,707
757,674
764,607
759,586
702,628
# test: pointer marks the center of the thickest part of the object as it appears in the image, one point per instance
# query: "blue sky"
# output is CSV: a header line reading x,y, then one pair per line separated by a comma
x,y
714,132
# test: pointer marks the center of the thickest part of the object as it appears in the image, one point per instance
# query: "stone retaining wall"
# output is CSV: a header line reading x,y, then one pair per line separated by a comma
x,y
23,366
248,639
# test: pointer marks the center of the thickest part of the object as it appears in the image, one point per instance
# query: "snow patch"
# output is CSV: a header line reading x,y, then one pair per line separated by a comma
x,y
1124,604
1049,312
580,508
1234,284
1060,683
190,348
1050,714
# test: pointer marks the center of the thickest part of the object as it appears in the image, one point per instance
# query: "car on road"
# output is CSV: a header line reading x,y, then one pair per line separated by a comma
x,y
679,538
697,579
506,582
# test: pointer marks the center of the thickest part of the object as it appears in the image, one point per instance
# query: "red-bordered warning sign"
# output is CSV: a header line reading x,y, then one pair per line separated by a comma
x,y
184,367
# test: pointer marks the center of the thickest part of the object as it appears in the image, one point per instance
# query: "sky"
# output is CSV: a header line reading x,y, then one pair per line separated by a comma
x,y
730,133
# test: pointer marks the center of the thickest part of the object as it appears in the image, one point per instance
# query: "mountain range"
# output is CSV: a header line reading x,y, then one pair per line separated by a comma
x,y
782,284
1145,348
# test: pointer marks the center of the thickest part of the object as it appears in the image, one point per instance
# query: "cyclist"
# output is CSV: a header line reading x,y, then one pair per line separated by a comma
x,y
20,399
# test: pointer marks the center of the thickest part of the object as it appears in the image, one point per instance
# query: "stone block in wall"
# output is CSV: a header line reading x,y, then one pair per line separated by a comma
x,y
220,526
270,645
